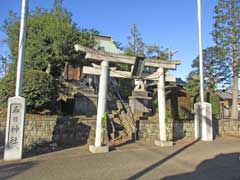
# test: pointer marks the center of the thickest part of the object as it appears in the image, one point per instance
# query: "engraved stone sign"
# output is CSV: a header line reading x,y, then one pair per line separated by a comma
x,y
207,129
203,121
197,120
14,129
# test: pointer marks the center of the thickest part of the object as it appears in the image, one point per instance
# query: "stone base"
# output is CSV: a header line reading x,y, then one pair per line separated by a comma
x,y
101,149
85,104
140,93
163,143
140,104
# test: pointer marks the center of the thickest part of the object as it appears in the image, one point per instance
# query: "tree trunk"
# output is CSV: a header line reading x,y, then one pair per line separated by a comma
x,y
234,113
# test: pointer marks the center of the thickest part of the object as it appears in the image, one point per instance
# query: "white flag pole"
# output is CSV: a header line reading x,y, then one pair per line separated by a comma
x,y
21,47
200,50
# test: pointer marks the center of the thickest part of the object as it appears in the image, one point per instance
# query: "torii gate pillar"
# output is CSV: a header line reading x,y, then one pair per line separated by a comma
x,y
162,112
102,100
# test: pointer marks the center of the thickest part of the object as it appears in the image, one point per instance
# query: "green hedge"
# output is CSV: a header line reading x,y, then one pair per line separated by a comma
x,y
215,101
7,88
181,110
38,89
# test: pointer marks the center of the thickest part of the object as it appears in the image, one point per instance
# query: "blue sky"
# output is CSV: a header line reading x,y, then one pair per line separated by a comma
x,y
168,23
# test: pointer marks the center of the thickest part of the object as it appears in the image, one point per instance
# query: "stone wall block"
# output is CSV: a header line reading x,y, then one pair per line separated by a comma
x,y
235,128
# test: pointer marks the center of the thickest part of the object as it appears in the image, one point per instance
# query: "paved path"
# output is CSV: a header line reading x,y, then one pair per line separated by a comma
x,y
218,160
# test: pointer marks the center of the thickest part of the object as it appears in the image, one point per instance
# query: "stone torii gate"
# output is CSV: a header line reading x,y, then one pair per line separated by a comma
x,y
138,65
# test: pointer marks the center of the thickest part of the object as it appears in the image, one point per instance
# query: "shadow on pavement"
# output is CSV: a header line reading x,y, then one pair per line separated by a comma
x,y
159,163
221,167
8,171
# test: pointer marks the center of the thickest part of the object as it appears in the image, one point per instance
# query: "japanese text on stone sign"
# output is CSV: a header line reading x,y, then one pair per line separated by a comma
x,y
14,128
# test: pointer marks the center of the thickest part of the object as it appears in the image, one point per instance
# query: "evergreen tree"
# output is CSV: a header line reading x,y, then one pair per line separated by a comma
x,y
215,73
155,51
51,36
135,42
50,39
136,46
193,86
226,35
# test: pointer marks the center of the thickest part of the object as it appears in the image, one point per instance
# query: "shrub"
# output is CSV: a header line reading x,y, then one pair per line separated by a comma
x,y
215,101
7,88
38,89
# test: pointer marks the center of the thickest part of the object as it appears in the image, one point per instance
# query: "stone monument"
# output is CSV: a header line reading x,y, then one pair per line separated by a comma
x,y
86,99
139,102
203,121
207,129
197,120
14,129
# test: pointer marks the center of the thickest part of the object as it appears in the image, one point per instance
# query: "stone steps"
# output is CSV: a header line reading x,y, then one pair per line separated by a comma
x,y
123,130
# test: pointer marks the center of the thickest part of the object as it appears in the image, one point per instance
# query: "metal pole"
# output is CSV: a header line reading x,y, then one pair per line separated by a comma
x,y
200,50
21,47
169,55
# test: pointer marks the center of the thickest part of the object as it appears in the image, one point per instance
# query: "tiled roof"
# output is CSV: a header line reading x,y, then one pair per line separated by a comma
x,y
107,44
224,95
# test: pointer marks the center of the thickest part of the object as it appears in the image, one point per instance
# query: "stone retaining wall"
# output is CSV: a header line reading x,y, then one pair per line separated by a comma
x,y
229,128
149,130
52,129
40,129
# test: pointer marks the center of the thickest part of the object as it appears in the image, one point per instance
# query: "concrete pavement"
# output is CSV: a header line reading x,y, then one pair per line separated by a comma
x,y
188,159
